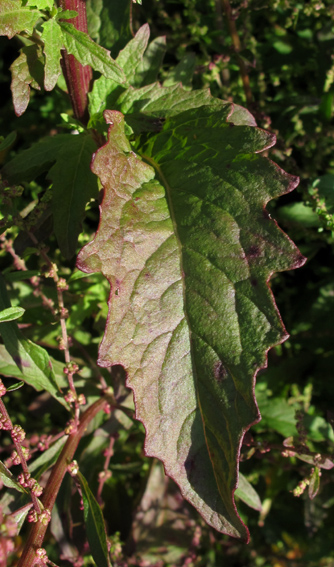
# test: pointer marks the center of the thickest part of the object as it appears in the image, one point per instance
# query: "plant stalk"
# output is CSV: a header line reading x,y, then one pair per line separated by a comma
x,y
38,529
78,77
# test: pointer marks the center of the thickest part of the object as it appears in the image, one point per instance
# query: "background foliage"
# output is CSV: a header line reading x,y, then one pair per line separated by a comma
x,y
287,49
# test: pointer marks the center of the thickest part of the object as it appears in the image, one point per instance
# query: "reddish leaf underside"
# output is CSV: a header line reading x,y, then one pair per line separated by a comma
x,y
188,250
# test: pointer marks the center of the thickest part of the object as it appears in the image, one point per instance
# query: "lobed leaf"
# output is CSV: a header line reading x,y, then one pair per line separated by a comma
x,y
95,528
53,42
15,18
87,52
191,316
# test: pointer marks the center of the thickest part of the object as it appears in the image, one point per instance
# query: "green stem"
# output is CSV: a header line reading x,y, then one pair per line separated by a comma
x,y
38,529
78,77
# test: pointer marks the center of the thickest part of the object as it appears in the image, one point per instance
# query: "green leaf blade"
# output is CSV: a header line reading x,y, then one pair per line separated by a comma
x,y
11,313
132,54
53,42
191,316
95,528
8,479
15,18
33,362
87,52
73,186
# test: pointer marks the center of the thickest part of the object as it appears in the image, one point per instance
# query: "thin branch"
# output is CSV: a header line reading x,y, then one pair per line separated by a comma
x,y
237,47
38,529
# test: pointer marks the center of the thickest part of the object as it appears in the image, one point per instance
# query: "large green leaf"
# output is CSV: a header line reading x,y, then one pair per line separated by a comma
x,y
188,250
15,18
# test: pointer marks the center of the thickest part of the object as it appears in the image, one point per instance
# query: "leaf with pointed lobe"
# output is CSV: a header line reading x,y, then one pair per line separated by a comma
x,y
87,52
132,54
188,250
148,69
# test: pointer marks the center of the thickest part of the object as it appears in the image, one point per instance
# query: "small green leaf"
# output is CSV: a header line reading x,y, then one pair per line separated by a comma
x,y
53,42
47,458
11,313
32,360
8,141
248,494
15,18
87,52
41,4
277,414
314,485
14,387
7,478
66,14
20,516
95,528
27,70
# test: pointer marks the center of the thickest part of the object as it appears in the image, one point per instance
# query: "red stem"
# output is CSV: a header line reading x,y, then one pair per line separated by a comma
x,y
37,531
78,77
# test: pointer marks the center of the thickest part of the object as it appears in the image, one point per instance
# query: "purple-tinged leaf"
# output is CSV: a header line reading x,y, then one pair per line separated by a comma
x,y
15,18
188,249
27,70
